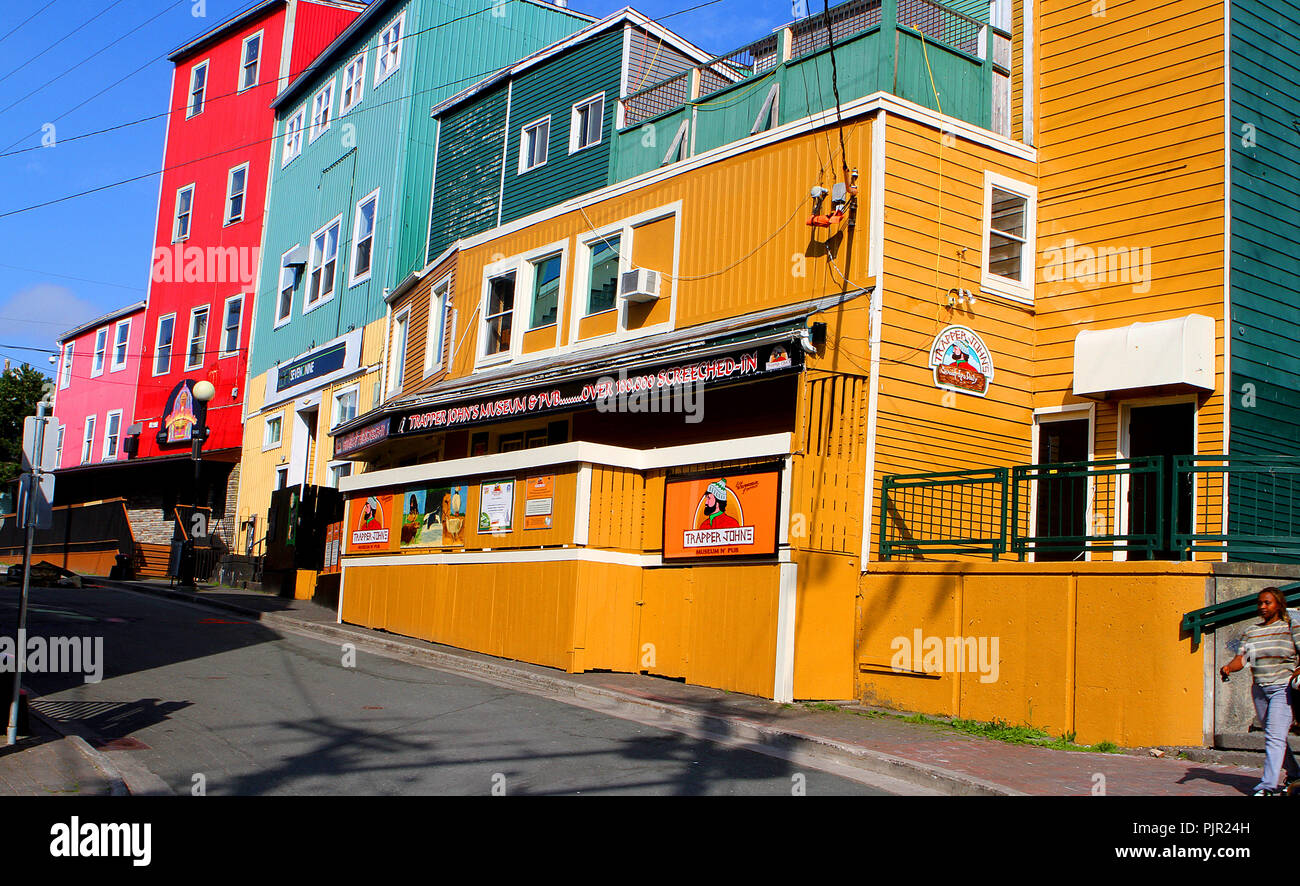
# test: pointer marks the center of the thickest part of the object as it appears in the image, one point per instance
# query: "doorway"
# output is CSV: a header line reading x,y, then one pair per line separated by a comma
x,y
1061,502
1162,431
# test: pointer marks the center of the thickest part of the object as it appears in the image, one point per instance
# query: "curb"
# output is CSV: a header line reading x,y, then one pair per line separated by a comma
x,y
117,784
760,737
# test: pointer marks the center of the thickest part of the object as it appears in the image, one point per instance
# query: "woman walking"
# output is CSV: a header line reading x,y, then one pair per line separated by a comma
x,y
1270,648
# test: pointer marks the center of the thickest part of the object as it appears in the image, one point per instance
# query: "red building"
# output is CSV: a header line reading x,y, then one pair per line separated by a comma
x,y
210,213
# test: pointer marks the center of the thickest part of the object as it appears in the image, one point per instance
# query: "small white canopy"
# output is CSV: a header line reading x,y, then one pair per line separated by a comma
x,y
1175,353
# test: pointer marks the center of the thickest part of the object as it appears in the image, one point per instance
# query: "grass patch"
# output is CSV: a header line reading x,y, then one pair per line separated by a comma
x,y
821,706
997,730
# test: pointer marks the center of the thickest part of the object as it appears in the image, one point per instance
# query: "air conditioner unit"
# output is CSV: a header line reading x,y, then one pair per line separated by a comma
x,y
639,284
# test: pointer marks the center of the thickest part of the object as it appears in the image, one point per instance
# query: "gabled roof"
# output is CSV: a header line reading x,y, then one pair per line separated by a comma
x,y
343,41
242,18
626,15
100,321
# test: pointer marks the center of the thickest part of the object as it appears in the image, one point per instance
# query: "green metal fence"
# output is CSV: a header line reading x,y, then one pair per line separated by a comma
x,y
1155,507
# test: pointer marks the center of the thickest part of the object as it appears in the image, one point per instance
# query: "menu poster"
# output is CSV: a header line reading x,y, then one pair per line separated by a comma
x,y
496,506
539,502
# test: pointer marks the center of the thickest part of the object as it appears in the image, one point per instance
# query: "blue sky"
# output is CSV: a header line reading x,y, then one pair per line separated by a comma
x,y
60,63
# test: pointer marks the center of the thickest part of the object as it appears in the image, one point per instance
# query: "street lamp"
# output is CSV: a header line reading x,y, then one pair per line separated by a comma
x,y
203,392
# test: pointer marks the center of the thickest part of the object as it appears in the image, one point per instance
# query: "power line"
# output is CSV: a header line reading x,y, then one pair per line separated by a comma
x,y
112,5
14,29
105,48
69,277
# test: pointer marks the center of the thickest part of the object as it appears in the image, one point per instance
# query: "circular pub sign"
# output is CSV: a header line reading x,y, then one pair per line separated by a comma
x,y
961,362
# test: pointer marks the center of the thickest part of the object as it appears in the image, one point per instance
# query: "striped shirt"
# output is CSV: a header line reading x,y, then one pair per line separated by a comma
x,y
1270,650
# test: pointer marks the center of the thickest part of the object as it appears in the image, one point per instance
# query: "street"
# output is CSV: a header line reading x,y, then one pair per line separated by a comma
x,y
222,704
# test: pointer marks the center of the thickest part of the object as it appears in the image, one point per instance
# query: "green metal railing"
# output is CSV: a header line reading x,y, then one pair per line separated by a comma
x,y
1155,507
1211,618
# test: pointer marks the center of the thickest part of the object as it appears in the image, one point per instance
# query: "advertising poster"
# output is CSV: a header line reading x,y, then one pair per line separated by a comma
x,y
496,506
539,502
434,517
722,515
371,520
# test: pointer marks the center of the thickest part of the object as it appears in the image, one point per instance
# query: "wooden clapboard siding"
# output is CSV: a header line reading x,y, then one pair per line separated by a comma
x,y
1130,135
419,300
826,515
1018,70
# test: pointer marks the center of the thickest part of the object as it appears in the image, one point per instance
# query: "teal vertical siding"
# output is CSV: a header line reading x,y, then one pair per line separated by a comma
x,y
1264,400
385,143
468,175
554,88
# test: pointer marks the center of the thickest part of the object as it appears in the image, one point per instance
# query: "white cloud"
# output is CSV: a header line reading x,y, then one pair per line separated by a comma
x,y
39,314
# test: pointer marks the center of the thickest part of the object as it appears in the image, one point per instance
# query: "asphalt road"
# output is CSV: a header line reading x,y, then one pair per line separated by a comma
x,y
202,698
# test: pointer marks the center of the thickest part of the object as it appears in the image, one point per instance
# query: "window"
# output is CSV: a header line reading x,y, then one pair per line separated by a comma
x,y
363,237
546,291
533,144
767,115
1009,219
497,315
236,186
184,209
397,354
439,303
354,81
282,477
252,61
88,441
198,340
58,447
602,282
112,430
338,472
390,50
293,135
65,370
288,279
162,361
324,258
345,406
587,123
198,88
321,107
121,336
101,348
271,433
230,325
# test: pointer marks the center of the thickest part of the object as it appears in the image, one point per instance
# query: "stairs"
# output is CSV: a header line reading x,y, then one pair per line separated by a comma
x,y
150,560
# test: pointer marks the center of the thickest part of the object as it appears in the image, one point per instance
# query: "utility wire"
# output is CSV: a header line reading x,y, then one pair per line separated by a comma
x,y
84,24
15,28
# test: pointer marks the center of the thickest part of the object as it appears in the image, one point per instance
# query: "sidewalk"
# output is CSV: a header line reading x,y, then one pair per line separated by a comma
x,y
932,758
47,763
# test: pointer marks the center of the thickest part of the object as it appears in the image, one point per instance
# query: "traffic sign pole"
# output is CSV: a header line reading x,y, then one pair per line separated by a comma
x,y
33,490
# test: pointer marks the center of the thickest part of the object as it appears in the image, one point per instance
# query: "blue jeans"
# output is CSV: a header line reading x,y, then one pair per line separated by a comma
x,y
1274,712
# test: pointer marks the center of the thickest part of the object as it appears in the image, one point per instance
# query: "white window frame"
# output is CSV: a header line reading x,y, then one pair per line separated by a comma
x,y
308,303
357,83
88,439
99,356
1022,289
58,446
65,367
281,320
529,271
206,312
157,344
243,61
105,455
189,215
190,110
120,343
293,128
282,477
319,127
278,420
373,196
526,155
334,466
575,135
507,268
435,344
335,418
230,194
224,330
392,51
397,363
583,296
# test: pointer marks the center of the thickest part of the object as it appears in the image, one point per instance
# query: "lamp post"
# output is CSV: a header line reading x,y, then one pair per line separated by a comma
x,y
203,392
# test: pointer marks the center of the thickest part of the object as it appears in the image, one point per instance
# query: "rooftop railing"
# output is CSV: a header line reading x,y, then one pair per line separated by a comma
x,y
1155,507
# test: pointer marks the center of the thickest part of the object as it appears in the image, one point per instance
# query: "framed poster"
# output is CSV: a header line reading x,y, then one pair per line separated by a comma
x,y
371,522
434,516
539,502
496,506
724,514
